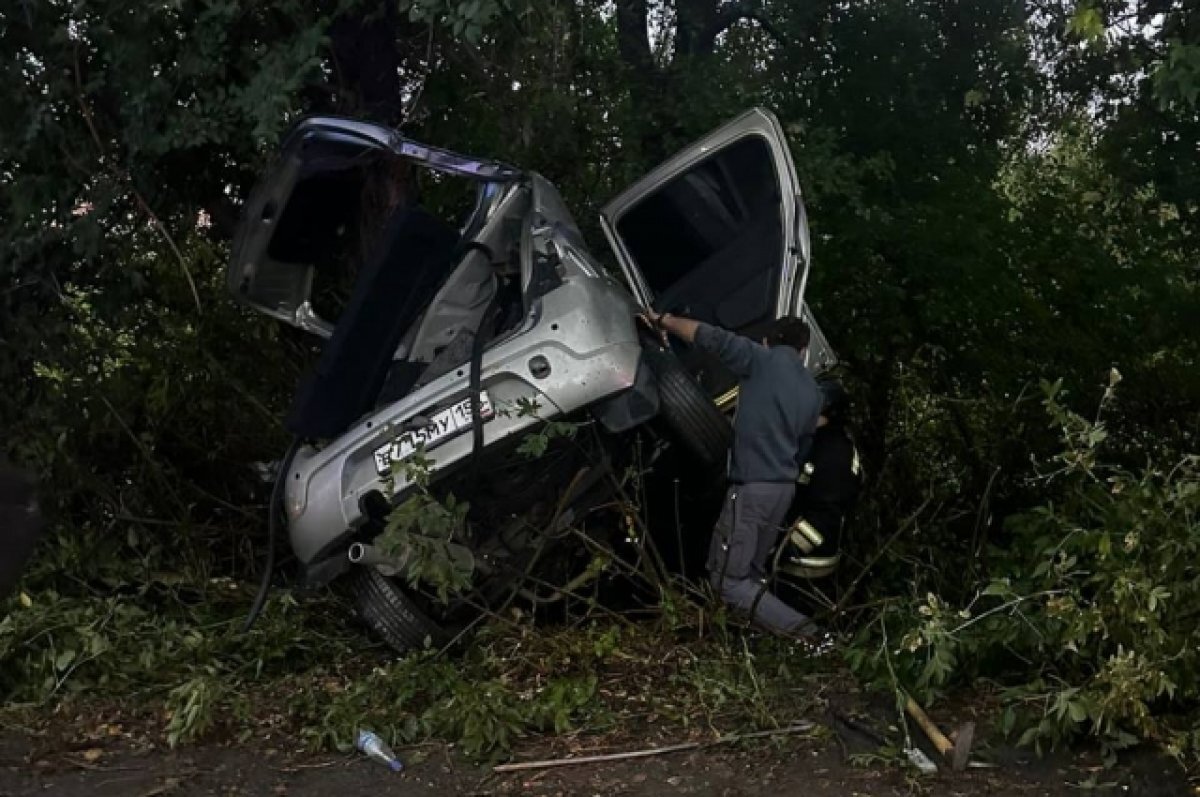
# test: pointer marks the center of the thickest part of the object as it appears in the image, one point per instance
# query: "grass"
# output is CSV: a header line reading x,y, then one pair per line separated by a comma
x,y
182,671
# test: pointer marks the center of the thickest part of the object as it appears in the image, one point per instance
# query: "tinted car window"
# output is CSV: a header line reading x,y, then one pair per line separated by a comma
x,y
702,212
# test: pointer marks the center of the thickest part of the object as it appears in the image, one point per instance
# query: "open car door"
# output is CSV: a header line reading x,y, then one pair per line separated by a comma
x,y
718,232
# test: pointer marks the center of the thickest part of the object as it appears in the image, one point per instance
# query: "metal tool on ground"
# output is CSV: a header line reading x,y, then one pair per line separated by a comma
x,y
916,756
923,763
374,748
958,751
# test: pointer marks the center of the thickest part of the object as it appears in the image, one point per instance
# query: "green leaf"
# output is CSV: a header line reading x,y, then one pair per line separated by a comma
x,y
997,588
1008,720
534,445
1087,23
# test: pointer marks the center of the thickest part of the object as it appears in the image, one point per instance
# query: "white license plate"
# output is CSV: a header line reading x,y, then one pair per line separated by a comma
x,y
442,426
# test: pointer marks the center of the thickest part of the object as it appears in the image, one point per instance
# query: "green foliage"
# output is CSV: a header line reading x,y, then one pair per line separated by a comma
x,y
1177,79
518,681
192,707
538,441
993,205
427,532
465,20
146,640
1087,23
422,532
1097,587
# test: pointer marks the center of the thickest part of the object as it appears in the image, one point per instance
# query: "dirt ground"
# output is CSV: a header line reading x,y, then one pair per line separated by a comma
x,y
815,765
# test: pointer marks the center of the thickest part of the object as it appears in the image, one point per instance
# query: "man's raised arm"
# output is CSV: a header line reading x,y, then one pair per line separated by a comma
x,y
736,352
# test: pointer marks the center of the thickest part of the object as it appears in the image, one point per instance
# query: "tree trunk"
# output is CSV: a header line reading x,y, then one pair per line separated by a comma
x,y
694,28
367,60
644,78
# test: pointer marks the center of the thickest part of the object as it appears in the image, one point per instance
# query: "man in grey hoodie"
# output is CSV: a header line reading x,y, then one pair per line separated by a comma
x,y
778,406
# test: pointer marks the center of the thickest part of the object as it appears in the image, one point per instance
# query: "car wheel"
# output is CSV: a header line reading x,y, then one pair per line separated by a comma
x,y
687,412
388,611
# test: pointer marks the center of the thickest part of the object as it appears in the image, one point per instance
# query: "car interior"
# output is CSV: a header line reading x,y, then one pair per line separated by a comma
x,y
709,242
407,291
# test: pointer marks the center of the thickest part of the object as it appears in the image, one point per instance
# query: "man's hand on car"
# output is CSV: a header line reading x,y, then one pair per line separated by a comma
x,y
653,321
664,323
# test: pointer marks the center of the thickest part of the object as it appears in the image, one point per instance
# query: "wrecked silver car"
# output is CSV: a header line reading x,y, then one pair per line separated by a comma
x,y
458,335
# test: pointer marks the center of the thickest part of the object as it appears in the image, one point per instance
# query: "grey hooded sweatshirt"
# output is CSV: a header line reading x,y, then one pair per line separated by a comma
x,y
778,406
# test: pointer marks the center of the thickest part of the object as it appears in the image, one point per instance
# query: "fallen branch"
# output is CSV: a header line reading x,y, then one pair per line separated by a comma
x,y
800,727
1049,593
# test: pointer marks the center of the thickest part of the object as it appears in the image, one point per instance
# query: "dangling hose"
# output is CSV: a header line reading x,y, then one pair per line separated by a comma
x,y
273,509
483,334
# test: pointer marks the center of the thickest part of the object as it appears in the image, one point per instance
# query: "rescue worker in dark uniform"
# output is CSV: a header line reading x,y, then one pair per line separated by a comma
x,y
826,491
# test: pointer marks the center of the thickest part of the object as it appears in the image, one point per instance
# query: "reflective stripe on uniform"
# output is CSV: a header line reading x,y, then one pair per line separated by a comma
x,y
804,536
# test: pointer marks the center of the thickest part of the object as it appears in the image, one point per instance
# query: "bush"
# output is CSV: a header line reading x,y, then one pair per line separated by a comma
x,y
1088,621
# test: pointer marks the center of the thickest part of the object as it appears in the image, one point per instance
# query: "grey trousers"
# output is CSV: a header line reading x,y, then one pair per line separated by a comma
x,y
751,521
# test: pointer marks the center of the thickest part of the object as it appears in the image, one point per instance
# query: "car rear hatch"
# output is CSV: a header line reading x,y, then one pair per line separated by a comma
x,y
341,240
302,215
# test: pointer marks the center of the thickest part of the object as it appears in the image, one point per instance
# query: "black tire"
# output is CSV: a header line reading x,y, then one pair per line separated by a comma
x,y
383,605
688,413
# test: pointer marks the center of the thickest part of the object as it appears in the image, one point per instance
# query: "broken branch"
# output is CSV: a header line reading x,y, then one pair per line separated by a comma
x,y
800,727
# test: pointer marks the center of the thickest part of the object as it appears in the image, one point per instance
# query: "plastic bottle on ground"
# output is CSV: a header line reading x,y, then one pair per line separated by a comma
x,y
374,748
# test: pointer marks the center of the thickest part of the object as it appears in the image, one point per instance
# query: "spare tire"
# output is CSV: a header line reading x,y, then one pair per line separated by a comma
x,y
689,415
388,611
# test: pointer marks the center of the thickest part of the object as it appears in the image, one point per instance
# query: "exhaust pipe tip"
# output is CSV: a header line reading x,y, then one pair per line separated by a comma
x,y
367,555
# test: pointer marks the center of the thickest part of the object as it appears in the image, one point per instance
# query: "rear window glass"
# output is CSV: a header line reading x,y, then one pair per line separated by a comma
x,y
343,202
701,212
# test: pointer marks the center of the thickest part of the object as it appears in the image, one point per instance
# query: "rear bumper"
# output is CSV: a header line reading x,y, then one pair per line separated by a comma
x,y
584,330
